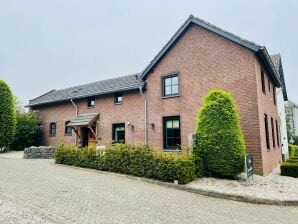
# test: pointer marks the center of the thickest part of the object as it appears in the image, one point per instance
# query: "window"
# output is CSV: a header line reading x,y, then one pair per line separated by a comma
x,y
170,85
277,132
263,81
53,128
171,132
68,129
273,135
274,95
118,134
91,102
269,84
118,98
266,131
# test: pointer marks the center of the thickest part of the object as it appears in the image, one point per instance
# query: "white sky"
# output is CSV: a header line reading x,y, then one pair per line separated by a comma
x,y
53,44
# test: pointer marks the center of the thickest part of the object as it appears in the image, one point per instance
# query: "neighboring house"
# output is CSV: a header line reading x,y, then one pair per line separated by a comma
x,y
282,97
292,121
159,106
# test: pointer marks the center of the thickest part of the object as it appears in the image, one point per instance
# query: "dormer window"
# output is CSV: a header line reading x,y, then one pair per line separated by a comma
x,y
118,98
91,102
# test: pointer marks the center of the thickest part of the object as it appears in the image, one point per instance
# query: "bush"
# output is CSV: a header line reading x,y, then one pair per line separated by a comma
x,y
220,142
130,159
293,151
289,169
27,131
7,116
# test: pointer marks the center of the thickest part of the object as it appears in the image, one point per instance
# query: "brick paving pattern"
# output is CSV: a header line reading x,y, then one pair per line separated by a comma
x,y
72,195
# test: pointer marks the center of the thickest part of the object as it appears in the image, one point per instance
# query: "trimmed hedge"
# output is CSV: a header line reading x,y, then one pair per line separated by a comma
x,y
220,142
289,168
293,151
130,159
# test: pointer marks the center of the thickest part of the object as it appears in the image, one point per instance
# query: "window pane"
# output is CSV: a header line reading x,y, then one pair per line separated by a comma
x,y
175,89
176,133
175,123
175,80
169,124
176,142
167,81
168,90
169,142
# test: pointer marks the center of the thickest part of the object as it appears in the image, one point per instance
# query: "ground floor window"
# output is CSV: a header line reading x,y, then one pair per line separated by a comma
x,y
171,132
118,134
266,131
53,128
68,129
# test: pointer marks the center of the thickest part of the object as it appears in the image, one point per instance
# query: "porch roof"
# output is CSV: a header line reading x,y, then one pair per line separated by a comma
x,y
83,120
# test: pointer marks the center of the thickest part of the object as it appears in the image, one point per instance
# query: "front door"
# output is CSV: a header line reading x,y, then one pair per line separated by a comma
x,y
85,136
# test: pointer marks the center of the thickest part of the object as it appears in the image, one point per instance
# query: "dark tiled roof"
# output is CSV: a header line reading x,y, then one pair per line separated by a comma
x,y
260,50
276,60
120,84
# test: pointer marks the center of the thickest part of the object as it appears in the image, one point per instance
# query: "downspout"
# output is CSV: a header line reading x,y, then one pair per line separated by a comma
x,y
76,116
145,115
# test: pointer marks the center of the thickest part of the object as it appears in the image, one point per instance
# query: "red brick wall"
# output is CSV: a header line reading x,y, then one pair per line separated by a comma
x,y
204,61
131,109
270,157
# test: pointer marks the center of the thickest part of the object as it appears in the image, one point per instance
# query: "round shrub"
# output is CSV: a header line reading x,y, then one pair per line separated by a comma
x,y
7,116
220,142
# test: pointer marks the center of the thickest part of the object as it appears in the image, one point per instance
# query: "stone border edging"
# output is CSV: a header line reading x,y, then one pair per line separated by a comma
x,y
241,198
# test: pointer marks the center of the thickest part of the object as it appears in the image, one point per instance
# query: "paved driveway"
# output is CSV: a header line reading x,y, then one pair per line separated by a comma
x,y
59,194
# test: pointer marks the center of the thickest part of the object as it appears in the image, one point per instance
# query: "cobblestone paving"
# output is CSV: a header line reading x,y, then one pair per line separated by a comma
x,y
73,195
11,213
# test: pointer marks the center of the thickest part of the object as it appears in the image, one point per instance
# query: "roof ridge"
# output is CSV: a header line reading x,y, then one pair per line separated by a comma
x,y
223,30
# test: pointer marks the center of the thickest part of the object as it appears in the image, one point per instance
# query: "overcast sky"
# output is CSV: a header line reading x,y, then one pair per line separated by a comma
x,y
54,44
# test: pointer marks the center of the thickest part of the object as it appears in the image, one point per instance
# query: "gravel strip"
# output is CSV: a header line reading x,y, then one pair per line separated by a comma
x,y
273,186
11,213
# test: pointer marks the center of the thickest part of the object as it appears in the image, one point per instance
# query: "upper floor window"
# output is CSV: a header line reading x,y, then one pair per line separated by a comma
x,y
263,81
171,132
118,98
170,85
267,131
91,102
53,128
274,94
273,133
68,129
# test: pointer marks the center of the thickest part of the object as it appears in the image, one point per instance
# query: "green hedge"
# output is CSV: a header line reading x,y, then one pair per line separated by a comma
x,y
293,151
289,168
130,159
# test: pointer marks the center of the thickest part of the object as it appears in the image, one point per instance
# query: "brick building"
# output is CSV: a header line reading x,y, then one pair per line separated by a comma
x,y
159,105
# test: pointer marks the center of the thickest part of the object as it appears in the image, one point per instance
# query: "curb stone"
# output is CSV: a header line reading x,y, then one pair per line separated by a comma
x,y
241,198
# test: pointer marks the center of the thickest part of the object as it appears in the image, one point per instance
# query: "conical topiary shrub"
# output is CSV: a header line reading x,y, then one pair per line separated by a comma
x,y
220,142
7,116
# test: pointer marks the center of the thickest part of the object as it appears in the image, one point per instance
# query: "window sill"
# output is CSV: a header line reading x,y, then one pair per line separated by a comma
x,y
67,134
118,103
91,107
171,150
52,135
171,96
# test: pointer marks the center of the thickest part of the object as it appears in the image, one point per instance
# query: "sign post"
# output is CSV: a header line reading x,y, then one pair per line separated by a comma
x,y
248,168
